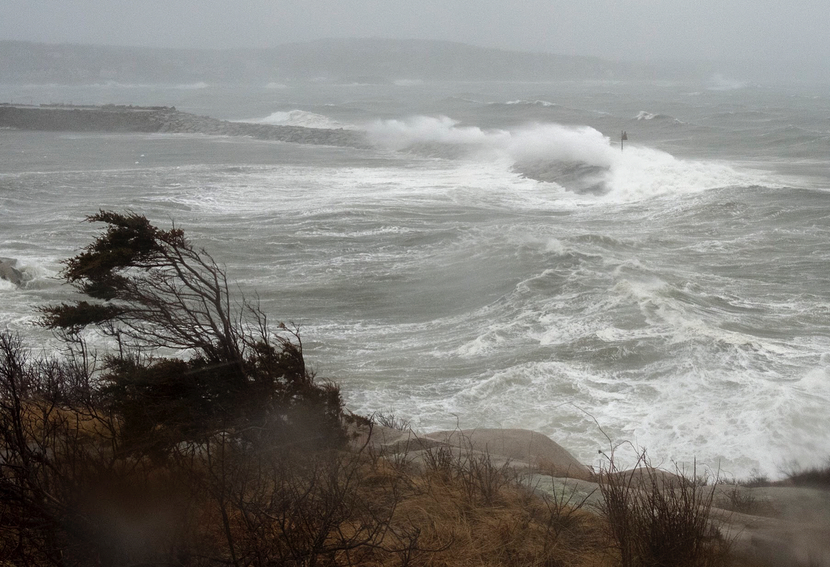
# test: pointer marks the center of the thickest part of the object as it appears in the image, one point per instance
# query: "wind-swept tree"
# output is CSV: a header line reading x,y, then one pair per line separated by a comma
x,y
152,291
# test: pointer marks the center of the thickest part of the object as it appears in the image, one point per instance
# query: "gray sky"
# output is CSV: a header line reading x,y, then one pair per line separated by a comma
x,y
621,29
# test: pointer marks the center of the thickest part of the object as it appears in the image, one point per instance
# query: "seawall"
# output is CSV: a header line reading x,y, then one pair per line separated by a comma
x,y
112,118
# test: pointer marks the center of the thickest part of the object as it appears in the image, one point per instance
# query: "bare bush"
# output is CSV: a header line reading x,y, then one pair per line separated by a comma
x,y
814,477
660,519
390,420
563,512
69,497
478,475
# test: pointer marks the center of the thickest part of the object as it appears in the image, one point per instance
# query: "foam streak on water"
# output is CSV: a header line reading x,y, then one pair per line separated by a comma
x,y
493,263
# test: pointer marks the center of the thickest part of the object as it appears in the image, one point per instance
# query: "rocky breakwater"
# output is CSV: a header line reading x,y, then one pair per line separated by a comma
x,y
162,119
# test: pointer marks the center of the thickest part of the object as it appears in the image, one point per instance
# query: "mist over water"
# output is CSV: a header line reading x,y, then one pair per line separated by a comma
x,y
495,260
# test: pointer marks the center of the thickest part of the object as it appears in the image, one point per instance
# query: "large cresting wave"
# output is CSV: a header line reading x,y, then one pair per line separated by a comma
x,y
580,159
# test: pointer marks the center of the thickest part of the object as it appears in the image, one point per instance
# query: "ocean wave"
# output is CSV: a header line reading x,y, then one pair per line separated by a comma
x,y
641,172
643,115
300,118
36,273
533,141
790,136
656,117
579,159
520,102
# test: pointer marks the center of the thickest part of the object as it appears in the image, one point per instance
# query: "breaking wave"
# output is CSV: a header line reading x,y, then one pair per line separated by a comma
x,y
542,103
577,158
553,141
643,115
300,118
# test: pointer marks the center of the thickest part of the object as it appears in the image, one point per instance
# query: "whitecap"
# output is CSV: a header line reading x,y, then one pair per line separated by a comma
x,y
299,118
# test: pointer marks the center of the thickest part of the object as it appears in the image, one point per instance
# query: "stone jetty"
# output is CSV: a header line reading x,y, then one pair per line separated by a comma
x,y
162,119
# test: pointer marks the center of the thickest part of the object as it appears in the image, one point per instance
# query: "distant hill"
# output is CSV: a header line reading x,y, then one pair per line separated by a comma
x,y
336,60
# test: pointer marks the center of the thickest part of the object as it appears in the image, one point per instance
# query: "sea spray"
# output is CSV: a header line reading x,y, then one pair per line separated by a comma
x,y
533,141
577,158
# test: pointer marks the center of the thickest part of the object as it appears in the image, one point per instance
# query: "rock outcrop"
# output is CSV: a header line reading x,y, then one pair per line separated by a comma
x,y
9,272
775,525
520,446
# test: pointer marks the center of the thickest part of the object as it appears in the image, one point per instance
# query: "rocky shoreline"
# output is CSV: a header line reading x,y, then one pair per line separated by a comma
x,y
163,119
775,525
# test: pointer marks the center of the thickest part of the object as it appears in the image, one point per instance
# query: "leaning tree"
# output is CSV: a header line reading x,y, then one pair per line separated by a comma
x,y
190,360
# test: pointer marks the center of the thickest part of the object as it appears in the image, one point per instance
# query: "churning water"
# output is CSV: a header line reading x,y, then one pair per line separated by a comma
x,y
495,260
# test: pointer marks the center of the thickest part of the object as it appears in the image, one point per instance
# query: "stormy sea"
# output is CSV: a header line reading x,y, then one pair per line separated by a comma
x,y
493,257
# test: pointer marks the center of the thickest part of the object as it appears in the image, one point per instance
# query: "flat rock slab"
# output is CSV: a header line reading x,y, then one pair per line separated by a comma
x,y
519,445
569,492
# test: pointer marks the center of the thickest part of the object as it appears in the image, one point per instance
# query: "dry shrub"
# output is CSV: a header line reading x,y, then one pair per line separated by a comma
x,y
740,499
813,477
390,420
565,512
514,530
479,476
493,516
227,501
660,519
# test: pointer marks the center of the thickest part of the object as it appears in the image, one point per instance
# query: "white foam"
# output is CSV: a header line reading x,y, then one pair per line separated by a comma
x,y
299,118
543,103
556,142
534,141
402,134
555,246
637,173
641,172
816,382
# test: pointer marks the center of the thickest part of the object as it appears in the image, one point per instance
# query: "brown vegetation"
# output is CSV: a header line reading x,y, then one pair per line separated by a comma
x,y
71,498
656,518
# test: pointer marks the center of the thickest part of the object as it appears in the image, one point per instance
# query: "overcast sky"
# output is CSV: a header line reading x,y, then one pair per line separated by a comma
x,y
618,29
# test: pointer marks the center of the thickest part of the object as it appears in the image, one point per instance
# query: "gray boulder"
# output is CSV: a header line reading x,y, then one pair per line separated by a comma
x,y
520,446
9,272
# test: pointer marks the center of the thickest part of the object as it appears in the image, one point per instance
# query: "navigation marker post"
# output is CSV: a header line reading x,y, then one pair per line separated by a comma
x,y
623,138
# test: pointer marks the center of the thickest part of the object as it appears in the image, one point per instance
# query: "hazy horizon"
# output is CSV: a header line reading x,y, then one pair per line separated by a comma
x,y
635,30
